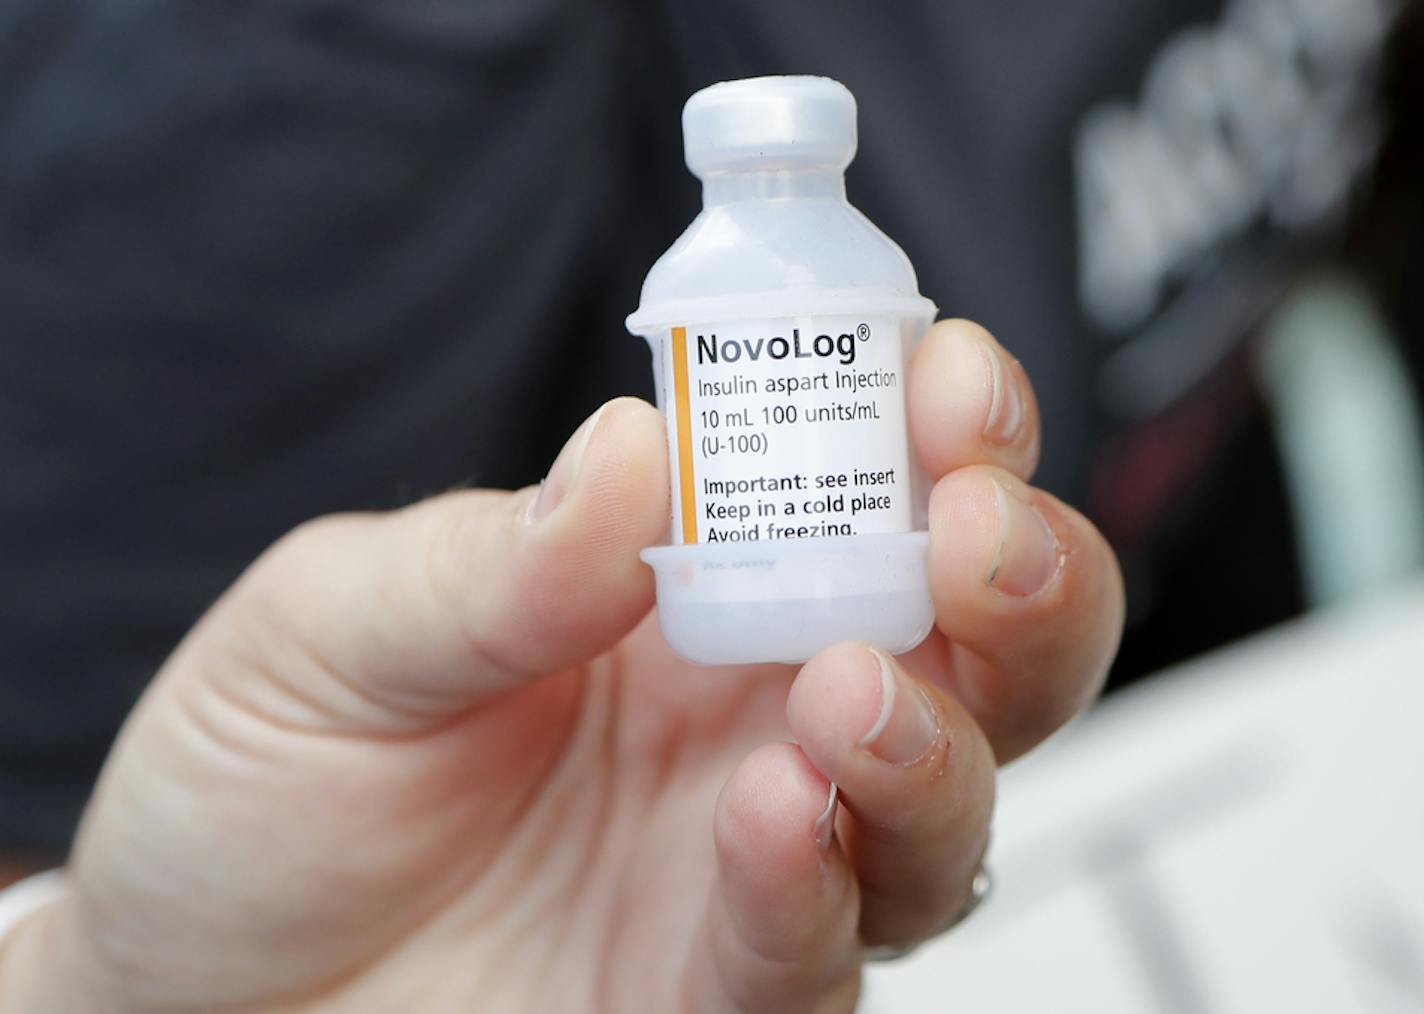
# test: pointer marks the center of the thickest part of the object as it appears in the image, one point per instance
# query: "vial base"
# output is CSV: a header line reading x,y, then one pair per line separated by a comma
x,y
783,601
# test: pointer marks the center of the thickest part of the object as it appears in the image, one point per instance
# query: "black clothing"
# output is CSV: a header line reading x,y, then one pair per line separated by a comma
x,y
261,261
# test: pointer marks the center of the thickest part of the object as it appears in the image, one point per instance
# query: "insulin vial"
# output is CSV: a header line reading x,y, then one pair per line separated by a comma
x,y
781,323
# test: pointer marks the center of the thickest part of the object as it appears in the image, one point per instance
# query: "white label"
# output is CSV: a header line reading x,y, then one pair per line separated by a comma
x,y
790,428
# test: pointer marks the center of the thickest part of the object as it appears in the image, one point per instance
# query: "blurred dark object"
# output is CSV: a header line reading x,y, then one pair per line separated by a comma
x,y
260,262
1386,237
263,262
1195,497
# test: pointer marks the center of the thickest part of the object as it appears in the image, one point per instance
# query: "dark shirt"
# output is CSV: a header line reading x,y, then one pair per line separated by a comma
x,y
261,261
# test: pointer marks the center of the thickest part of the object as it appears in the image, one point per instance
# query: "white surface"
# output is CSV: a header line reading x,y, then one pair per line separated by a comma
x,y
1244,834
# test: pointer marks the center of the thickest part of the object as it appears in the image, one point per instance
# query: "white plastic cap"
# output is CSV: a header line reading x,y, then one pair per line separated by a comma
x,y
769,123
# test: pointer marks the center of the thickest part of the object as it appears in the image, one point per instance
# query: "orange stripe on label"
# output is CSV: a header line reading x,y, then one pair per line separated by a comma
x,y
684,434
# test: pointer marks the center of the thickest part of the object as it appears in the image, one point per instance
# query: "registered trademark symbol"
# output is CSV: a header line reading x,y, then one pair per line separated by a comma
x,y
863,332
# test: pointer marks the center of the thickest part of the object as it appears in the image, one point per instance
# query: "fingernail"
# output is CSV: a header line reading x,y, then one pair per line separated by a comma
x,y
907,727
561,477
1006,410
1028,555
826,823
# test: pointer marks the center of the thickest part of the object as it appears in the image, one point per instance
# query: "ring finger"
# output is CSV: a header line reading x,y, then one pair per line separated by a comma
x,y
971,403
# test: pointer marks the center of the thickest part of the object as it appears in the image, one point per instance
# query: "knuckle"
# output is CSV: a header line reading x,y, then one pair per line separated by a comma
x,y
262,622
446,544
459,532
301,552
456,537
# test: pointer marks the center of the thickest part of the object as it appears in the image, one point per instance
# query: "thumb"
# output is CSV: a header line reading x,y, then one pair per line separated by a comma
x,y
388,622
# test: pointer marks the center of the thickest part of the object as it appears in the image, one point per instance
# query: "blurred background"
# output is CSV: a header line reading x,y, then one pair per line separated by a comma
x,y
268,260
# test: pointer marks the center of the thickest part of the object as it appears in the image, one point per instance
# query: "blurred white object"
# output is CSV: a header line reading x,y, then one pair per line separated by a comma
x,y
1349,429
1243,834
24,898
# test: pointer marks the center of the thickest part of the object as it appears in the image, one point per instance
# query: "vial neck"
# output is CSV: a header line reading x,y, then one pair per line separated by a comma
x,y
727,187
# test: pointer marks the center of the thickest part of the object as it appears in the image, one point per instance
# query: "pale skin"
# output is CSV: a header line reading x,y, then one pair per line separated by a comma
x,y
441,760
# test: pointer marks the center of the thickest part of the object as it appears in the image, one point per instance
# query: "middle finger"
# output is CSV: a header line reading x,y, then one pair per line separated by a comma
x,y
971,403
916,780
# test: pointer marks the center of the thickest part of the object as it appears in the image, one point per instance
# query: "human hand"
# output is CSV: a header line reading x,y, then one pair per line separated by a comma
x,y
441,759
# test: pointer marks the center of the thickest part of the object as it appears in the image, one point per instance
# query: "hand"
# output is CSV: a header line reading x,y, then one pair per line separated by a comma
x,y
440,760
